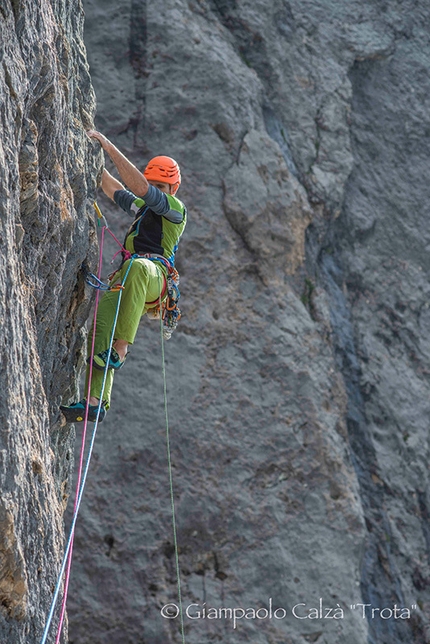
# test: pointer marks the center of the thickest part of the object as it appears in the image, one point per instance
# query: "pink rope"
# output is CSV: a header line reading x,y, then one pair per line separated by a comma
x,y
126,252
81,457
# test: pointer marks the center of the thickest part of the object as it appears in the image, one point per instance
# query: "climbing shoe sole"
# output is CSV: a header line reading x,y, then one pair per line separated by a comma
x,y
76,413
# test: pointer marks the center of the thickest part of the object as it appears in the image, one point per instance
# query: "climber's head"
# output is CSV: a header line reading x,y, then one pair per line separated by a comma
x,y
163,173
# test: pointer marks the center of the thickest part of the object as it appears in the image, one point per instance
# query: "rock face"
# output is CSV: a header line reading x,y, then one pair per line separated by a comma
x,y
46,176
298,379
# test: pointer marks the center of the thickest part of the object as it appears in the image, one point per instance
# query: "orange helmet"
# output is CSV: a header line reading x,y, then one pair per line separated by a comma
x,y
164,169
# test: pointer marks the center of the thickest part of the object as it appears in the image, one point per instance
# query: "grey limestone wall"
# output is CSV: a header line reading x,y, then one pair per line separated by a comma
x,y
298,378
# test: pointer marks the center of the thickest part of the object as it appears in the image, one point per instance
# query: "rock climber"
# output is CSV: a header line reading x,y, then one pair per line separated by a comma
x,y
159,221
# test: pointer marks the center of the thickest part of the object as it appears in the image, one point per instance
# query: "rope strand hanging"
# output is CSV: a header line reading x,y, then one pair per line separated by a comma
x,y
169,464
83,477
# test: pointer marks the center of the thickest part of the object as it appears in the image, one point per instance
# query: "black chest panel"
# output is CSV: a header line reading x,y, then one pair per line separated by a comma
x,y
147,233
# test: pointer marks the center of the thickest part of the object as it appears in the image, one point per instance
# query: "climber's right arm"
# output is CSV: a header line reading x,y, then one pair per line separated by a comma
x,y
132,176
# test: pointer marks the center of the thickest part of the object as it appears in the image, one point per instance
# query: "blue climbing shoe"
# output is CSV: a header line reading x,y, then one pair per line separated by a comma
x,y
75,413
100,359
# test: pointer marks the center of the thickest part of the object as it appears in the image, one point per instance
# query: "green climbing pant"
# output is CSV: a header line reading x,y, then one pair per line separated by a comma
x,y
144,283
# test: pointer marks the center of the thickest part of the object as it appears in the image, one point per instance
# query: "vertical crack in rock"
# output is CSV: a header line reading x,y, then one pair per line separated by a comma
x,y
380,577
267,206
371,266
277,132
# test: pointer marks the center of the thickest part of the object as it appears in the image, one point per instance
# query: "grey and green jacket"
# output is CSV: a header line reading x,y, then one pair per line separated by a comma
x,y
159,221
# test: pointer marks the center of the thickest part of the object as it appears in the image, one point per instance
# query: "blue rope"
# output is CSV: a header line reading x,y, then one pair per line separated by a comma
x,y
85,474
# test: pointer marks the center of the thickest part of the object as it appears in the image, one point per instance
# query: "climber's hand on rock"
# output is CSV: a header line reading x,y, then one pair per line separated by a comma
x,y
94,134
132,176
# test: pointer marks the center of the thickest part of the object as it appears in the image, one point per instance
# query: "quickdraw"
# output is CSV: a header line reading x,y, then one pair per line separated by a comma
x,y
93,281
168,308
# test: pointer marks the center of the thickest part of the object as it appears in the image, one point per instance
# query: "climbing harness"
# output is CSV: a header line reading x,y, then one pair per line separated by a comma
x,y
95,282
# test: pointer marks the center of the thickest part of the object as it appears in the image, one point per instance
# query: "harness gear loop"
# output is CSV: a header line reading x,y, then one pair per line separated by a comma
x,y
167,309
